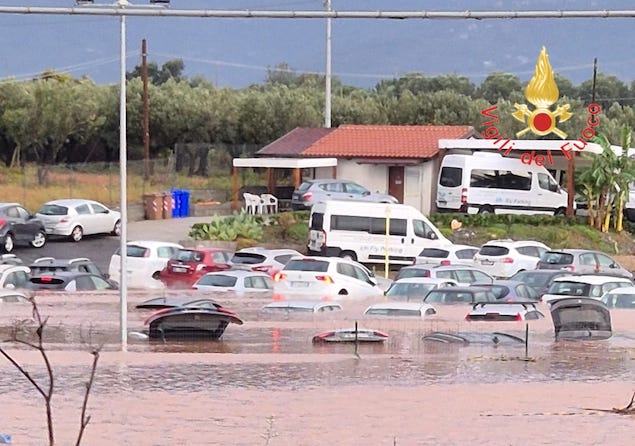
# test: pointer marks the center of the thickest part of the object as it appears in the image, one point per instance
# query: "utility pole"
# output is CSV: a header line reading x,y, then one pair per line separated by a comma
x,y
146,110
327,90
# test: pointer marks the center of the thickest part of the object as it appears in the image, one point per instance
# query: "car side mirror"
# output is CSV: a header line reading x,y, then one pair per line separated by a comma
x,y
613,265
432,236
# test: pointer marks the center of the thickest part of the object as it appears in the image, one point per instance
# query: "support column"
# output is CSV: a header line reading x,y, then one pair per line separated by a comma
x,y
235,189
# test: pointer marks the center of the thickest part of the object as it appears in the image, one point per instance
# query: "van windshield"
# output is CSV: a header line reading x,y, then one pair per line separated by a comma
x,y
422,229
450,176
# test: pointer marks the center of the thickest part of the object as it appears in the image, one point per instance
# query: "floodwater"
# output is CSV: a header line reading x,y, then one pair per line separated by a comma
x,y
266,383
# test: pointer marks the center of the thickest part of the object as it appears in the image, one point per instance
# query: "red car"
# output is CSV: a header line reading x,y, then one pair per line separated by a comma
x,y
188,265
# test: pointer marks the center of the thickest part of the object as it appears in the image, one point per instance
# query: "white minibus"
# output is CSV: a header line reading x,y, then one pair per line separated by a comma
x,y
492,183
358,231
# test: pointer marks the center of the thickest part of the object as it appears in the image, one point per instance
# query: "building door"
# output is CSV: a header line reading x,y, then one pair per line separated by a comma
x,y
396,182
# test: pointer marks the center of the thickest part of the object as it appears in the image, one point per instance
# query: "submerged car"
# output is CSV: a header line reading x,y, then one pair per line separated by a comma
x,y
301,306
459,295
581,319
76,218
464,338
582,261
538,279
416,288
145,259
71,281
463,275
446,255
312,191
401,309
504,311
592,286
235,281
620,298
188,265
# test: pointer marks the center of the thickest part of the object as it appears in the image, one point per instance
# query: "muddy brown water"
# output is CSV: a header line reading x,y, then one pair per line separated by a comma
x,y
266,383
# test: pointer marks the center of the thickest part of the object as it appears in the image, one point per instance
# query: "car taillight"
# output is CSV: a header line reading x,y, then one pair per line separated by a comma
x,y
464,195
519,317
262,268
2,222
380,333
569,268
64,220
46,279
508,260
468,317
326,279
427,273
445,262
279,276
307,196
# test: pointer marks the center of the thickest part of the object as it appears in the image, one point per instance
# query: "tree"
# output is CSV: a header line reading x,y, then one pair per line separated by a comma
x,y
171,69
498,86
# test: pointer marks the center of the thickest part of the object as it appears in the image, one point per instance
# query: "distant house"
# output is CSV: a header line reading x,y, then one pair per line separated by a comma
x,y
395,159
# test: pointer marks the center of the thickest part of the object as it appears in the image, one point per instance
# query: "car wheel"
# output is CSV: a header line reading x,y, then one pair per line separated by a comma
x,y
156,275
343,293
117,229
348,255
560,211
486,210
8,243
39,240
77,233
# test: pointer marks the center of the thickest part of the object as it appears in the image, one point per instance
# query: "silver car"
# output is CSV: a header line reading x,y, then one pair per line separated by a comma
x,y
75,218
312,191
582,261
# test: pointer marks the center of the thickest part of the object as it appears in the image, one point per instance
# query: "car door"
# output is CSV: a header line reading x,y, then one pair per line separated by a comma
x,y
588,263
102,218
334,191
355,191
85,218
18,223
606,264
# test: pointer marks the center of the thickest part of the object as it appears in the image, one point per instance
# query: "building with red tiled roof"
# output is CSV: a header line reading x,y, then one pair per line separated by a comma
x,y
395,159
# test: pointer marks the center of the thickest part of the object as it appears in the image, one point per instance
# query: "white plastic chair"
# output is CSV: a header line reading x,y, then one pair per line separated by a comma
x,y
253,203
269,203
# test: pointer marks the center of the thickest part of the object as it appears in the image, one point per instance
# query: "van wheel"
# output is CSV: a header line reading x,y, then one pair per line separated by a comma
x,y
486,210
348,255
559,211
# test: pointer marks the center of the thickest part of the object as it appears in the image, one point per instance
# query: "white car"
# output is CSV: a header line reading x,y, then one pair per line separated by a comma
x,y
76,218
325,278
301,306
504,311
447,255
504,258
416,288
144,261
620,298
14,276
266,260
589,286
407,309
14,296
237,281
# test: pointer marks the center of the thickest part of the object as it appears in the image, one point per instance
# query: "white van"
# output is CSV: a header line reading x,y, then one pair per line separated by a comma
x,y
357,230
492,183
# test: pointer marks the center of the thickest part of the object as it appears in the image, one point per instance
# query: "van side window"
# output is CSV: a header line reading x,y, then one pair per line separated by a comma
x,y
422,229
350,223
451,176
547,183
317,221
500,179
397,226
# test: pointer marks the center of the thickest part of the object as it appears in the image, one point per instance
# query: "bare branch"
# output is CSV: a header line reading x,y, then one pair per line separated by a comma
x,y
84,420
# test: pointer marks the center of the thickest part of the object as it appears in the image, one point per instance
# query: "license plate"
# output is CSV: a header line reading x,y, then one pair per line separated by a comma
x,y
299,284
179,269
487,262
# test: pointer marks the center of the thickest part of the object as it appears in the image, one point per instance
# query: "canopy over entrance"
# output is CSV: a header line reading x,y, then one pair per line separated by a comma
x,y
271,164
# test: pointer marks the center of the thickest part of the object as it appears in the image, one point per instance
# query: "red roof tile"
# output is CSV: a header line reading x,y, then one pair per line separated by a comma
x,y
381,141
294,142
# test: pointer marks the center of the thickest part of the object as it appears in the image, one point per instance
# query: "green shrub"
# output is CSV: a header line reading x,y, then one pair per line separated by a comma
x,y
238,225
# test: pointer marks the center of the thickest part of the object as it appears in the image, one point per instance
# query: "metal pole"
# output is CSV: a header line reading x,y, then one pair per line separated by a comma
x,y
123,291
146,111
327,88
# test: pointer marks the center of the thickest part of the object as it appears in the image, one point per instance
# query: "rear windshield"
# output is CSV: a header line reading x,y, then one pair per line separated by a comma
x,y
307,265
304,186
412,272
317,221
53,209
409,290
218,280
531,279
434,252
493,250
565,288
557,258
248,258
393,312
186,255
451,176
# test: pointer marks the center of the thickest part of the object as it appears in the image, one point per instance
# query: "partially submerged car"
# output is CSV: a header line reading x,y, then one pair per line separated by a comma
x,y
301,306
401,309
354,334
620,298
465,338
593,286
581,319
416,288
504,311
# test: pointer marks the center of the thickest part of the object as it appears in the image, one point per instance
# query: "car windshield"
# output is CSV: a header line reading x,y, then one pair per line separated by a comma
x,y
307,265
408,290
136,251
53,209
565,288
557,258
448,297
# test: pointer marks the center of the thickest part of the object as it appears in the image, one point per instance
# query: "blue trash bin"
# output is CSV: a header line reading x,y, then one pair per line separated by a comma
x,y
176,198
185,203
